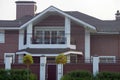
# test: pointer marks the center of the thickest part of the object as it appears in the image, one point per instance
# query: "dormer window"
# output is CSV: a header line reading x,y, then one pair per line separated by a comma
x,y
49,35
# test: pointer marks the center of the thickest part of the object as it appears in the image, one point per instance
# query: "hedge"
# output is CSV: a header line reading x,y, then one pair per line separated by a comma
x,y
108,76
78,75
16,75
85,75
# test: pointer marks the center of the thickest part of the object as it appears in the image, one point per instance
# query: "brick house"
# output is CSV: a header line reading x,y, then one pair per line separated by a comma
x,y
53,31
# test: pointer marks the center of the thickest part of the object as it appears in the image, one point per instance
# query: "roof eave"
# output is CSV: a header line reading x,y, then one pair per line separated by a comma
x,y
10,28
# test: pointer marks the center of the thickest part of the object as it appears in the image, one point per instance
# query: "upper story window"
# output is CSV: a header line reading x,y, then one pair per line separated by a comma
x,y
49,35
2,36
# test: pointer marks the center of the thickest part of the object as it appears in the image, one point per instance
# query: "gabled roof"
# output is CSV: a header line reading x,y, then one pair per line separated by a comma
x,y
14,24
85,20
54,9
101,25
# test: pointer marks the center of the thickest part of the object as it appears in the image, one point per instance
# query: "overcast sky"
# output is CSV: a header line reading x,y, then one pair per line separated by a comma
x,y
102,9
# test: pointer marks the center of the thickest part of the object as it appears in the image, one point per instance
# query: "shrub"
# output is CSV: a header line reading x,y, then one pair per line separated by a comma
x,y
108,76
78,75
16,75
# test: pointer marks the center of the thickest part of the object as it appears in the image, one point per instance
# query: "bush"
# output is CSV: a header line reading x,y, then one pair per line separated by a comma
x,y
108,76
78,75
16,75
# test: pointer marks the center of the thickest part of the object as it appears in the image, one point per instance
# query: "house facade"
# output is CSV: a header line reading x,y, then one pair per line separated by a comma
x,y
53,31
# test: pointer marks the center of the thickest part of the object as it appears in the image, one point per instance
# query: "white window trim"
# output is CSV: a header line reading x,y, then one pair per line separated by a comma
x,y
113,57
49,28
2,36
9,54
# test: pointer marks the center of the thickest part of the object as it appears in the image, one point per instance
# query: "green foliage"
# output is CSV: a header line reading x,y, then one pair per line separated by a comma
x,y
78,75
85,75
61,59
108,76
27,59
16,75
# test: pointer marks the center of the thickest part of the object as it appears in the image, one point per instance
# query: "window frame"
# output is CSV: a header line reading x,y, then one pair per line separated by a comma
x,y
50,29
2,36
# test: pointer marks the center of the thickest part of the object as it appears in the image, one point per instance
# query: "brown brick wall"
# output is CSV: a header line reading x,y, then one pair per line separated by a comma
x,y
52,20
78,37
10,45
109,67
2,66
71,67
23,10
105,45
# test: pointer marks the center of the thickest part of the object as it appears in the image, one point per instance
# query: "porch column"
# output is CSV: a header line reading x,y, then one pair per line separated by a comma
x,y
21,39
29,34
67,31
95,65
59,71
87,46
42,67
8,62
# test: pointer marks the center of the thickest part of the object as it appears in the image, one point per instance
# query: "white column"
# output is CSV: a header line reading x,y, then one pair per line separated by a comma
x,y
21,39
8,62
87,45
59,71
95,65
42,67
29,34
67,31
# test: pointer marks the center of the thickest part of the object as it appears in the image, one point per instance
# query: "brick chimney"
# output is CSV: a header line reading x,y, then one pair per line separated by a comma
x,y
25,8
117,15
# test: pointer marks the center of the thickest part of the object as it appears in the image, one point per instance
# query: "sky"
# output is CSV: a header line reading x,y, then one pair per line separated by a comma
x,y
101,9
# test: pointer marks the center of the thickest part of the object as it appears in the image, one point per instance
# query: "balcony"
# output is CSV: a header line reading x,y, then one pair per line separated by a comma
x,y
50,42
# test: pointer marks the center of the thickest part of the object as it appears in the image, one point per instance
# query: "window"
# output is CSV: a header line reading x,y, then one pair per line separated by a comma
x,y
50,35
50,59
73,58
2,36
107,59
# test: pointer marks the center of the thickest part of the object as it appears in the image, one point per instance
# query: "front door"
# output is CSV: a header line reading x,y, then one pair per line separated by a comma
x,y
51,72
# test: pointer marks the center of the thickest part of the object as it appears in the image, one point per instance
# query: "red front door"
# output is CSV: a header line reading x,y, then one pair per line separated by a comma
x,y
51,72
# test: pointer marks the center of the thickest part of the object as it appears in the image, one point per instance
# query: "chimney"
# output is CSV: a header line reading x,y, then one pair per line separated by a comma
x,y
24,8
117,15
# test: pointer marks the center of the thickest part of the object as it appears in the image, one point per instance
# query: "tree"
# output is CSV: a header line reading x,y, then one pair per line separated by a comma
x,y
28,60
61,59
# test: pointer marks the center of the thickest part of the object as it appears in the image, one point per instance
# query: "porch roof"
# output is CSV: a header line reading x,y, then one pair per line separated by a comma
x,y
65,51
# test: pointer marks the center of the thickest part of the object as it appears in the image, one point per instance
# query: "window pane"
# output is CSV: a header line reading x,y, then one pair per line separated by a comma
x,y
39,37
47,37
61,39
2,37
54,37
